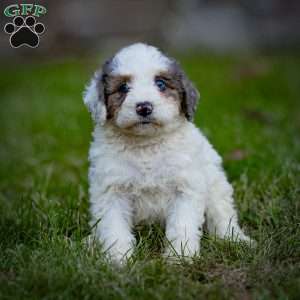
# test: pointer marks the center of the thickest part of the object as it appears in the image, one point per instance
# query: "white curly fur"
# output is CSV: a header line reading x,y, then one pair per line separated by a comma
x,y
169,173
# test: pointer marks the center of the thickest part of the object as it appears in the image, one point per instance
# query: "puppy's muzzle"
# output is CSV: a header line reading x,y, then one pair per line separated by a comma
x,y
144,109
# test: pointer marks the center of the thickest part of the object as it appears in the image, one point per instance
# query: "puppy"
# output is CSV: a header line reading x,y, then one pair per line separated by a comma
x,y
148,161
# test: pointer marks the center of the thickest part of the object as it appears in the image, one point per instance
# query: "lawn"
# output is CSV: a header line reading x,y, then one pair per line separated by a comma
x,y
250,111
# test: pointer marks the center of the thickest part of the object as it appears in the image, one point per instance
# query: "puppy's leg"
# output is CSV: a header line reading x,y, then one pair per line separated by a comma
x,y
184,221
113,215
222,217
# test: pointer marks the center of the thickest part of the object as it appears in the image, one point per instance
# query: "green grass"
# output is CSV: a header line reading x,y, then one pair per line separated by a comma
x,y
249,111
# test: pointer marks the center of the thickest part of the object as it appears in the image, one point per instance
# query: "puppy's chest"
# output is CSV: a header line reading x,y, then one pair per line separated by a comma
x,y
151,181
155,174
153,184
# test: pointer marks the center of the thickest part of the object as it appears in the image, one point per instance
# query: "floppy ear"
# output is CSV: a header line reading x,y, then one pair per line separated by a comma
x,y
93,98
188,93
190,97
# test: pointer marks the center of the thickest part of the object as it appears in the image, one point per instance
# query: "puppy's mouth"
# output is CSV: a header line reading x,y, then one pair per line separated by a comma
x,y
144,123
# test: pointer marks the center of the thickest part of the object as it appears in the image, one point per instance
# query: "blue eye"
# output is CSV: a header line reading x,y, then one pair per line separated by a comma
x,y
160,84
123,88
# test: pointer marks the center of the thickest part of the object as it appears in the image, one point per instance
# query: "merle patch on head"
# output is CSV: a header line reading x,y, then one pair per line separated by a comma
x,y
178,84
24,32
114,93
112,89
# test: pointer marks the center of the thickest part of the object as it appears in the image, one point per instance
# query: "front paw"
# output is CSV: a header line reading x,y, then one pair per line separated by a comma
x,y
239,236
248,240
120,253
182,248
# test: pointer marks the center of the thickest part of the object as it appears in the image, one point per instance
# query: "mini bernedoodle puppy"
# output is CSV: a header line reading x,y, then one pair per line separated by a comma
x,y
148,161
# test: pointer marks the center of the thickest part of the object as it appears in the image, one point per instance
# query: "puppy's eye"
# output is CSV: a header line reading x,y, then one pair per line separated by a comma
x,y
123,88
161,84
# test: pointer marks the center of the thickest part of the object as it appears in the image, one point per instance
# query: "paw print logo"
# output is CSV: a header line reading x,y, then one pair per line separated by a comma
x,y
24,32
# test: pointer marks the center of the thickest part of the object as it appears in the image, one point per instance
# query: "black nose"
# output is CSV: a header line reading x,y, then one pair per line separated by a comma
x,y
144,109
